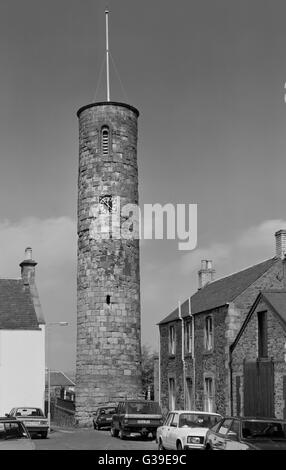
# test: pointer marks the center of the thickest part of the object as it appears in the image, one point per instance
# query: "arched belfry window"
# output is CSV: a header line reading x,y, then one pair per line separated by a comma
x,y
105,137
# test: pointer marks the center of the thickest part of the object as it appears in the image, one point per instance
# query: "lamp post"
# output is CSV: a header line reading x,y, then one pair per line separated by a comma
x,y
61,323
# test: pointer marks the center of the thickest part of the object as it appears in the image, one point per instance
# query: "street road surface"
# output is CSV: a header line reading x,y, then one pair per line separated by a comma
x,y
89,439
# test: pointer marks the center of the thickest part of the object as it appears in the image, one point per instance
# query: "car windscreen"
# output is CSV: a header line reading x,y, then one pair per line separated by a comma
x,y
29,412
198,420
263,429
147,408
12,430
107,411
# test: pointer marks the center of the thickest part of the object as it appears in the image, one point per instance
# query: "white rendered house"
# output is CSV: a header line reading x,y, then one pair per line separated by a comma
x,y
22,341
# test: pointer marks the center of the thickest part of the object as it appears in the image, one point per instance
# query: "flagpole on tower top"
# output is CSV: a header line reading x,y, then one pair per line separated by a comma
x,y
107,56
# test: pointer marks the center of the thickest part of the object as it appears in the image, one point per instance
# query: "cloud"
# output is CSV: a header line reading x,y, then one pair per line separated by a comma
x,y
53,242
249,247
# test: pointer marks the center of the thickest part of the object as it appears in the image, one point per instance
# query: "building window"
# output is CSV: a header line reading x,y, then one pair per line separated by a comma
x,y
172,339
188,338
209,404
262,334
105,140
189,393
209,333
172,394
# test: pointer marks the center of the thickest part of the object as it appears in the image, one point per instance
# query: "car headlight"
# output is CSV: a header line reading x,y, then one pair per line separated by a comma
x,y
193,440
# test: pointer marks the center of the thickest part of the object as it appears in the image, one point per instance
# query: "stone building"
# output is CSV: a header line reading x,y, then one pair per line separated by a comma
x,y
195,338
258,359
22,340
108,285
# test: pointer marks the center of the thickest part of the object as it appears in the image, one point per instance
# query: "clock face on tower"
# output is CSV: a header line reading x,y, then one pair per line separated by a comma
x,y
107,203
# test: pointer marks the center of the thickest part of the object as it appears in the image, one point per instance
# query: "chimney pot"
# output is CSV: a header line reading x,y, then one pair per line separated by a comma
x,y
28,253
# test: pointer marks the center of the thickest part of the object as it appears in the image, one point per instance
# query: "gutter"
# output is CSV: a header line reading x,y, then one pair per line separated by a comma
x,y
159,367
193,354
183,352
231,385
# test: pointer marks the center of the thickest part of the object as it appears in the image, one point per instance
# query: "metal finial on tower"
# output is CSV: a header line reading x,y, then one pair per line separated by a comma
x,y
107,57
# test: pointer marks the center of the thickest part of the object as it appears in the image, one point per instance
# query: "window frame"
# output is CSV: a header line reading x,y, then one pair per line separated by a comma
x,y
188,339
209,333
209,399
105,142
172,340
262,334
172,379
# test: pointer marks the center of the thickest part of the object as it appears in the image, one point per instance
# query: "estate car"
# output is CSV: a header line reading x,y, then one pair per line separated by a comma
x,y
136,416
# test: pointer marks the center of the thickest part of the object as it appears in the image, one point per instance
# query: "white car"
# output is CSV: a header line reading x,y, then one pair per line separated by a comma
x,y
184,429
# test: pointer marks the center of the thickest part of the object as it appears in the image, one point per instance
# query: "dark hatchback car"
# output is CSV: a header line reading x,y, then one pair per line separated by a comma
x,y
103,417
247,434
14,435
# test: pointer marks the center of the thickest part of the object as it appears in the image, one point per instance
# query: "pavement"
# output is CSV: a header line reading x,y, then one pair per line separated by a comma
x,y
90,439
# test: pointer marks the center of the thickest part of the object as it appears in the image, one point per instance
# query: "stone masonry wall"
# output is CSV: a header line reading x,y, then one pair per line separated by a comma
x,y
227,321
247,350
108,329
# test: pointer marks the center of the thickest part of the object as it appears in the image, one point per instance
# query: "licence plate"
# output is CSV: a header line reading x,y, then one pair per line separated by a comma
x,y
108,419
31,423
143,421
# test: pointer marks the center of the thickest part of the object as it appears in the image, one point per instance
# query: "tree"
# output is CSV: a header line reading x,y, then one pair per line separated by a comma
x,y
148,370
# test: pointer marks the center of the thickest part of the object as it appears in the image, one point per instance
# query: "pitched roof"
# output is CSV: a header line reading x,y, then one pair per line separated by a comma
x,y
222,291
59,379
277,300
17,310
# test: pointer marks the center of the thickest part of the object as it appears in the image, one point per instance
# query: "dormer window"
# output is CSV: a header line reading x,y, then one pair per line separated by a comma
x,y
105,140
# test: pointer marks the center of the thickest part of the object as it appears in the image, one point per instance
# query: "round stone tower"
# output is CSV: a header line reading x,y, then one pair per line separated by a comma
x,y
108,281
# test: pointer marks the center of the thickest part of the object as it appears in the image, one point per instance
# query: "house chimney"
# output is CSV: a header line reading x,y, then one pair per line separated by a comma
x,y
206,273
280,243
28,268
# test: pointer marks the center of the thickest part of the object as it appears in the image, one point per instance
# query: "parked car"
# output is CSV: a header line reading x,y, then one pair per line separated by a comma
x,y
136,416
14,435
185,429
234,433
33,418
103,416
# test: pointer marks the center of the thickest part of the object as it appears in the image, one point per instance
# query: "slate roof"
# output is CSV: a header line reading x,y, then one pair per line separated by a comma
x,y
17,310
59,379
276,299
222,291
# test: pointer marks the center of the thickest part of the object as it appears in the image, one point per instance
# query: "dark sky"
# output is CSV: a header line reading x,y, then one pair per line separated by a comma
x,y
208,78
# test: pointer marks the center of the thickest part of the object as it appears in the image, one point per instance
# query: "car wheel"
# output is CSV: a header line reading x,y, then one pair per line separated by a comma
x,y
44,435
160,445
179,445
208,447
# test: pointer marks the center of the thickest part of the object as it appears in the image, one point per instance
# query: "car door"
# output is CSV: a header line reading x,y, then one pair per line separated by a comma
x,y
173,432
219,438
166,430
